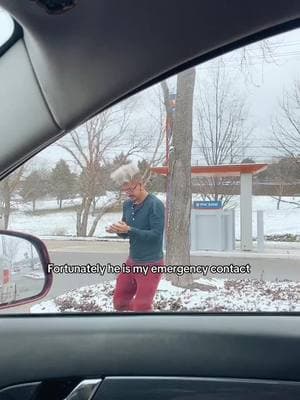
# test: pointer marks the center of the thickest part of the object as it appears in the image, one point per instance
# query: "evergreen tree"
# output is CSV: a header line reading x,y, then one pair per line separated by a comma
x,y
62,182
35,186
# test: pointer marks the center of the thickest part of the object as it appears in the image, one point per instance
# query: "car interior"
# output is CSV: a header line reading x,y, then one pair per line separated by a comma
x,y
67,61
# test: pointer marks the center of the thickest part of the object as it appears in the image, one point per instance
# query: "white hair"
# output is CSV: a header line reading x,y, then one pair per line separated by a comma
x,y
124,174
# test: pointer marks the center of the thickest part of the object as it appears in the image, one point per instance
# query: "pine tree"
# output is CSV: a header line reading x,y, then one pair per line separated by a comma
x,y
35,186
62,182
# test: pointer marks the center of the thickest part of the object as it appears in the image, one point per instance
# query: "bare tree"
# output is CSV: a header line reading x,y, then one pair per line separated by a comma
x,y
88,146
247,57
221,134
286,125
179,212
284,173
8,188
153,155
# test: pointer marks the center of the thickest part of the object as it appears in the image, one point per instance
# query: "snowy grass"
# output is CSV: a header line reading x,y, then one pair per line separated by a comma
x,y
52,204
208,295
57,224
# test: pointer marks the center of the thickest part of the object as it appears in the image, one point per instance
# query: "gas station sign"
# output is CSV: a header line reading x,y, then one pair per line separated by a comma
x,y
217,204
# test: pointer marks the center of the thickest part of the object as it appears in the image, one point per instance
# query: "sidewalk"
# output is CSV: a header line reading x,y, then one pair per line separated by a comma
x,y
285,250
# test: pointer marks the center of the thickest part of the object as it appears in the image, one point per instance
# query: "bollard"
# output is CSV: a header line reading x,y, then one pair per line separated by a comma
x,y
260,231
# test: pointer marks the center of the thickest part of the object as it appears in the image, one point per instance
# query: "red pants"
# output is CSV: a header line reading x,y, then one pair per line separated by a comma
x,y
135,291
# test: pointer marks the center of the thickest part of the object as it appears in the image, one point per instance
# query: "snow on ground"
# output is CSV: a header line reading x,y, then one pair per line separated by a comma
x,y
36,275
275,222
52,204
208,295
63,223
56,224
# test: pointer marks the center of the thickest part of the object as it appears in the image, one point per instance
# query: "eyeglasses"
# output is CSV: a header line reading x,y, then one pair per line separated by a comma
x,y
130,189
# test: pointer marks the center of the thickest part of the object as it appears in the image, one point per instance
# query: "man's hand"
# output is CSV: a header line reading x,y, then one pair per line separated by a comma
x,y
118,227
121,227
109,229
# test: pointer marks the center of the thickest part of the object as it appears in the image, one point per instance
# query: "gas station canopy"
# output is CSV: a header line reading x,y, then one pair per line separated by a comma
x,y
245,172
218,170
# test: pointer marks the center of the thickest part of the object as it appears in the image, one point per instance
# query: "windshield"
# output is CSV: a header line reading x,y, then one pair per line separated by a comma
x,y
184,197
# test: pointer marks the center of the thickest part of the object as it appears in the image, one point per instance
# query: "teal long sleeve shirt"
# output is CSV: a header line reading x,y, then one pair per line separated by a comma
x,y
147,228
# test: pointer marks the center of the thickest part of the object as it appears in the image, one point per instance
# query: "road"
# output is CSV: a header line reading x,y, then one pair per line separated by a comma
x,y
267,266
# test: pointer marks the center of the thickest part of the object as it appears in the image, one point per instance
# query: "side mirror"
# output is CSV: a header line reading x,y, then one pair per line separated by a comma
x,y
24,275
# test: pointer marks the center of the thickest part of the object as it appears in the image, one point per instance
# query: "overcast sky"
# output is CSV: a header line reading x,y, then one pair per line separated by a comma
x,y
262,92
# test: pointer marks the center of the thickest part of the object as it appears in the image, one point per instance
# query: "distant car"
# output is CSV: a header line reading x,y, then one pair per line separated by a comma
x,y
17,268
5,270
37,266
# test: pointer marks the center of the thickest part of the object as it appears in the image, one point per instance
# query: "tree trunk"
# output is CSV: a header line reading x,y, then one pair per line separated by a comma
x,y
60,204
180,194
99,215
95,223
6,218
216,188
83,216
33,205
278,202
78,217
281,192
7,200
94,207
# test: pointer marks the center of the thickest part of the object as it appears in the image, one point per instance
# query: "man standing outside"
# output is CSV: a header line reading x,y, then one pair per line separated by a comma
x,y
143,223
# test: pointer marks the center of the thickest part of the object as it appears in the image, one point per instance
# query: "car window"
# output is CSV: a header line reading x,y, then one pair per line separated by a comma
x,y
183,197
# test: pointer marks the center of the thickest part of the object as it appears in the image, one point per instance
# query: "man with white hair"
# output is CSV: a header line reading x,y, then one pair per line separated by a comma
x,y
143,223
